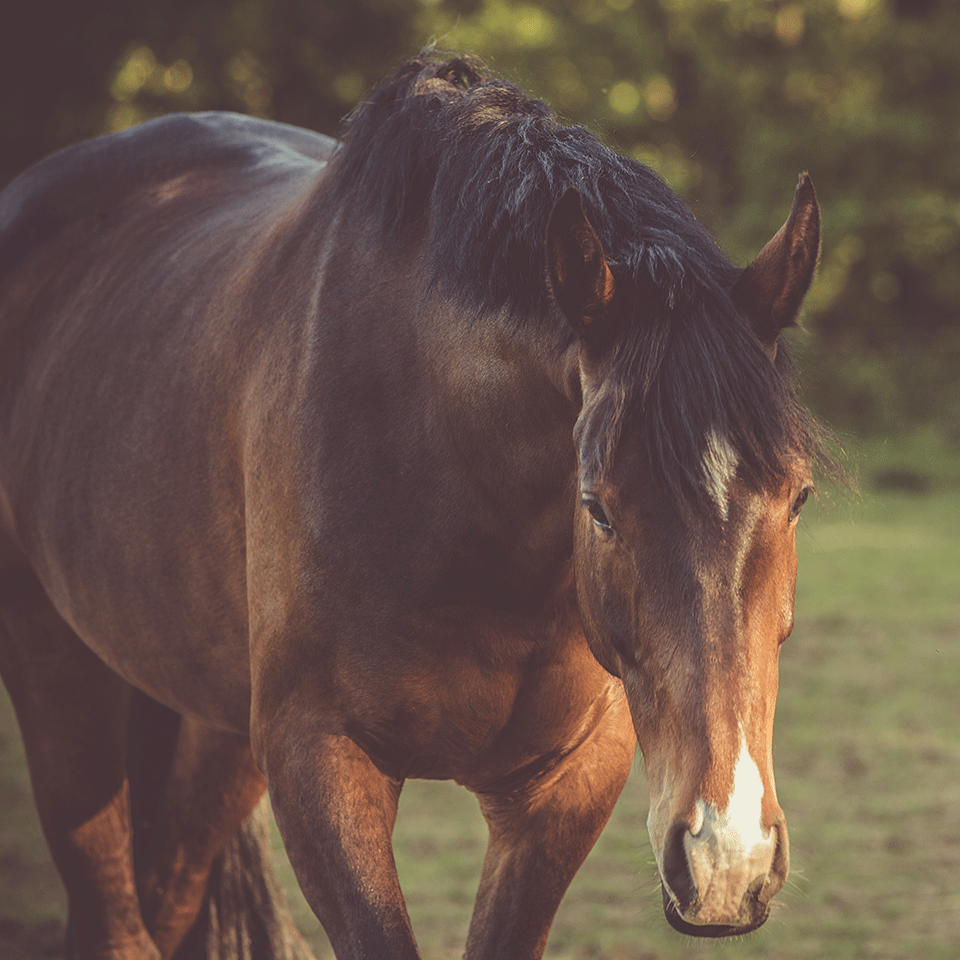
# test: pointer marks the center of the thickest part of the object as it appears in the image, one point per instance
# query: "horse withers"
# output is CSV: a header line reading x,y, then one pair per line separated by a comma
x,y
454,450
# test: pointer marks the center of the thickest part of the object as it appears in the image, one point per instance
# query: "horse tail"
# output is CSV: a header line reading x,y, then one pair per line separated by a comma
x,y
244,916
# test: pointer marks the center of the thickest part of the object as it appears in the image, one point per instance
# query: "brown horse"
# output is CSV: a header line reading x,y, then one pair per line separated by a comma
x,y
456,450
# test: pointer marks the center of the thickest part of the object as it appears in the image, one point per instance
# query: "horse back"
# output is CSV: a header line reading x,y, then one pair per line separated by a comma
x,y
100,177
129,334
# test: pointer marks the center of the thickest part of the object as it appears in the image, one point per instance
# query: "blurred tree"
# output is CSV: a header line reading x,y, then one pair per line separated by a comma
x,y
731,99
728,99
76,70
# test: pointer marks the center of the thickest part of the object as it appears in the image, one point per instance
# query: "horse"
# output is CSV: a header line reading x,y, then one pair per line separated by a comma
x,y
454,449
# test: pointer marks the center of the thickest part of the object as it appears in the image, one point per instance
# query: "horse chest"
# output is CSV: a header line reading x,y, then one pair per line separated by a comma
x,y
478,701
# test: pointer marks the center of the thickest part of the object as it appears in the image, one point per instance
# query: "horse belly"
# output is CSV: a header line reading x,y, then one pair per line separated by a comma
x,y
132,523
182,639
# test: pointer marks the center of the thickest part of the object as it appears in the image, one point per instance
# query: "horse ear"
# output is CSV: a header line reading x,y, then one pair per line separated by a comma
x,y
580,279
770,291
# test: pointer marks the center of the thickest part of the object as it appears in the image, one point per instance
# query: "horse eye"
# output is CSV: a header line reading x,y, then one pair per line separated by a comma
x,y
798,503
597,514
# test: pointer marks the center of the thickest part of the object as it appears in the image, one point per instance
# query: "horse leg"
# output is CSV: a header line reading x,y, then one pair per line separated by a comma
x,y
213,786
246,916
540,836
72,711
206,880
336,811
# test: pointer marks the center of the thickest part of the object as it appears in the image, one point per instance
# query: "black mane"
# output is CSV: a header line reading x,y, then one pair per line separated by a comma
x,y
439,144
488,163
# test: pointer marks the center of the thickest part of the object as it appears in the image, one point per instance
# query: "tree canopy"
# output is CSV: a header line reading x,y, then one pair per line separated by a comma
x,y
728,99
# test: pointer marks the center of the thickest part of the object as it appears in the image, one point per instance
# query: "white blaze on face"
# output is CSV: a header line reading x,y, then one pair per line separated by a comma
x,y
739,823
719,466
727,848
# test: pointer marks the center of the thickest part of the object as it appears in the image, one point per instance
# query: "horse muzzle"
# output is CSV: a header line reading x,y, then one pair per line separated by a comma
x,y
716,885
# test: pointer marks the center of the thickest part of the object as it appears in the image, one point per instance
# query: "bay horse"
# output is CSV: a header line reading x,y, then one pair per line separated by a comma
x,y
453,450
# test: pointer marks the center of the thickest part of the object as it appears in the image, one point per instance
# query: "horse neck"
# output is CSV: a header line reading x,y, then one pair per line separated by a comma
x,y
499,389
468,418
504,402
506,390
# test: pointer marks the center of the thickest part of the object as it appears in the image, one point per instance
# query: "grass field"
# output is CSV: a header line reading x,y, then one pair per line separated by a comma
x,y
867,753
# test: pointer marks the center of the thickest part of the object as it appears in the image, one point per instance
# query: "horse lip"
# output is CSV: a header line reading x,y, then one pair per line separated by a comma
x,y
711,930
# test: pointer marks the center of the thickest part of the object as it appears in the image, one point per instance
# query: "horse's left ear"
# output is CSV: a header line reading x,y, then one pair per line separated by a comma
x,y
580,279
770,291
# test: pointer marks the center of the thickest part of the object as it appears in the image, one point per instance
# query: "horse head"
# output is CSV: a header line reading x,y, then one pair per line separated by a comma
x,y
685,544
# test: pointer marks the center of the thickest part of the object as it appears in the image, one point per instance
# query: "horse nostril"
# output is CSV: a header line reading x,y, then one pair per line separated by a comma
x,y
676,869
722,905
779,868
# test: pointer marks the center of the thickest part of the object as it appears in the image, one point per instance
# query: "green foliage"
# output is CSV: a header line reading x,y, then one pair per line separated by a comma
x,y
884,391
731,99
728,99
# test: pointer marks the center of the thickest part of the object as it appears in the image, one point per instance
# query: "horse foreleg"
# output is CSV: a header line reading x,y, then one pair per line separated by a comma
x,y
539,837
72,712
336,811
213,786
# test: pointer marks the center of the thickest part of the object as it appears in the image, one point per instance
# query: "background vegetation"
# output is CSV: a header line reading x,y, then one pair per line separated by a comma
x,y
729,100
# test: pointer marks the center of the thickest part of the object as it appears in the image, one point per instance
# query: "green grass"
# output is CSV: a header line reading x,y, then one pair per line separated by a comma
x,y
30,891
867,751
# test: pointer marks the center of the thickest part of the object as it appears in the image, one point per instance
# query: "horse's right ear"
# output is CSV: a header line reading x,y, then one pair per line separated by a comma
x,y
580,279
770,291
